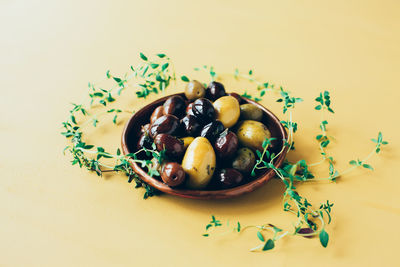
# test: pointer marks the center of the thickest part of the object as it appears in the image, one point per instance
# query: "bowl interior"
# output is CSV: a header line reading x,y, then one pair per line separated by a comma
x,y
131,134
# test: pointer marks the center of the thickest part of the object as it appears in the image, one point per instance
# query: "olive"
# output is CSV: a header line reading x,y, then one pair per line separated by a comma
x,y
212,130
168,124
226,145
250,112
191,125
252,134
157,113
189,110
144,141
215,90
145,128
228,110
194,90
244,160
199,163
237,96
228,178
175,105
173,146
187,141
204,110
173,174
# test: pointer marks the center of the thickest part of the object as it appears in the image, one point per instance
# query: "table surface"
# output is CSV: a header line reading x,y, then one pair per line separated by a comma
x,y
53,214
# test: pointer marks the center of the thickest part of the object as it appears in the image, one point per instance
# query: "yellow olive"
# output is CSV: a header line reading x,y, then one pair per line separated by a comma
x,y
199,163
187,141
194,90
252,134
250,112
228,110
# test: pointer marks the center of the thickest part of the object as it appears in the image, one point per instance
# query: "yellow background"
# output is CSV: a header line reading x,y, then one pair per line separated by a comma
x,y
53,214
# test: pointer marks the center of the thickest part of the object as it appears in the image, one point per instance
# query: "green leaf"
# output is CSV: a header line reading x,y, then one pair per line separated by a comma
x,y
260,236
184,78
165,66
324,238
154,65
270,244
318,107
143,57
161,55
367,166
353,162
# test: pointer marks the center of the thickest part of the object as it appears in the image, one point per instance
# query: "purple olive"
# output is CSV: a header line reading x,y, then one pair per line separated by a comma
x,y
215,90
168,124
228,178
175,105
191,125
204,110
173,174
226,145
173,146
144,141
157,113
212,130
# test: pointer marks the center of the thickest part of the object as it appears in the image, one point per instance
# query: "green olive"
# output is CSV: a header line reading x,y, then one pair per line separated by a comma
x,y
194,90
244,160
250,112
252,134
199,163
228,110
187,141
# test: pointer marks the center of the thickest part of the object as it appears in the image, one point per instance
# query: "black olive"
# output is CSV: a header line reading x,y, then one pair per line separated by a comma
x,y
212,130
226,145
173,174
191,125
175,105
168,124
215,90
228,178
172,145
204,110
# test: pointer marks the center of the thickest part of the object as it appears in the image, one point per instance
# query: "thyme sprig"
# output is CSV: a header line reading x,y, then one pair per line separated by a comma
x,y
152,75
310,221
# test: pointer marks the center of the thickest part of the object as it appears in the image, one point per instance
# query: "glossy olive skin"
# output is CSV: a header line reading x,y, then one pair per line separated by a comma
x,y
187,141
145,128
252,134
144,141
157,113
204,110
227,178
215,90
168,124
228,110
175,105
173,146
191,125
244,160
212,130
189,110
237,96
226,145
194,90
199,163
250,112
173,174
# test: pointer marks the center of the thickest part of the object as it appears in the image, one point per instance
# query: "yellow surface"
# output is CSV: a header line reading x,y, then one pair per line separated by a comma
x,y
53,214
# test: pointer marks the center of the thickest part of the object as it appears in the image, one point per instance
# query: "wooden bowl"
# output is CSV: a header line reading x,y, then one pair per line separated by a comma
x,y
131,134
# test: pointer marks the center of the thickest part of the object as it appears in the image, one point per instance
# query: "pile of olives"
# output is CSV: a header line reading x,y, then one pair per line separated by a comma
x,y
209,138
